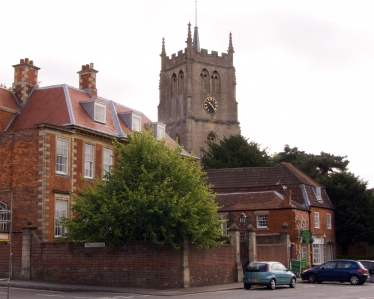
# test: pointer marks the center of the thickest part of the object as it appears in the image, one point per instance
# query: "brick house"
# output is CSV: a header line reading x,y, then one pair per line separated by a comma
x,y
51,137
272,195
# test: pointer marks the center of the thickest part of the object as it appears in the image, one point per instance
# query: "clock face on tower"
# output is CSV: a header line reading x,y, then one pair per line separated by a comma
x,y
210,104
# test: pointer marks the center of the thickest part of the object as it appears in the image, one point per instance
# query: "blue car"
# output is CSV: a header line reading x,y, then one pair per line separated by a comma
x,y
337,270
269,274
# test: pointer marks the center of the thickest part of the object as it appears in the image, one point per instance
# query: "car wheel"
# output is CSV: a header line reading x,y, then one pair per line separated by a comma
x,y
354,279
293,282
247,286
312,278
271,285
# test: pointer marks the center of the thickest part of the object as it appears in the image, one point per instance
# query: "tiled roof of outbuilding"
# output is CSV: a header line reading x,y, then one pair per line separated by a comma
x,y
242,201
270,178
284,173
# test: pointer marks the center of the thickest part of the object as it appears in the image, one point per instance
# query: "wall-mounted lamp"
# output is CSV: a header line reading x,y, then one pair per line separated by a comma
x,y
242,218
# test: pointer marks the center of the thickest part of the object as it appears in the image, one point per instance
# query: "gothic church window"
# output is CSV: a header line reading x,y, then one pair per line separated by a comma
x,y
211,137
174,85
205,88
180,82
179,100
216,83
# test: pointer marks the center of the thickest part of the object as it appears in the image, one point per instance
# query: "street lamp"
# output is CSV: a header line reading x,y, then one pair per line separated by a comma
x,y
242,218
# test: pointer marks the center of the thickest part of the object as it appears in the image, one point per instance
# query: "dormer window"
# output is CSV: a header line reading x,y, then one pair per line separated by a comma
x,y
158,130
96,110
99,112
318,194
136,123
132,120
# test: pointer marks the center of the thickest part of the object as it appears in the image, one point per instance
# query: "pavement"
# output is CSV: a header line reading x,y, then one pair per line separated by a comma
x,y
69,287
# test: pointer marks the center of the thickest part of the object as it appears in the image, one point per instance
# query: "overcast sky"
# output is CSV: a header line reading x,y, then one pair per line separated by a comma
x,y
305,69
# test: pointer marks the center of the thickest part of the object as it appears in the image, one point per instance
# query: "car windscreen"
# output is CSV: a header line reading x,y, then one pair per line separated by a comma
x,y
256,267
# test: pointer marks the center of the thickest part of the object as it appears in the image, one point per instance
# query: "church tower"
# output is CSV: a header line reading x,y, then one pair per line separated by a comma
x,y
198,95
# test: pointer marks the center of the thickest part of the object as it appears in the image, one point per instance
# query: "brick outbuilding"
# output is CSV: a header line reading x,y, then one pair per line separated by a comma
x,y
273,195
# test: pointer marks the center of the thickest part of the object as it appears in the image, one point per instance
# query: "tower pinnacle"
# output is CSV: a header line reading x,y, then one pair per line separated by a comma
x,y
163,52
231,48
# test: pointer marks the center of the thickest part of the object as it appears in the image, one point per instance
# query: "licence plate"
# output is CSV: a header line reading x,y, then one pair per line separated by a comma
x,y
255,280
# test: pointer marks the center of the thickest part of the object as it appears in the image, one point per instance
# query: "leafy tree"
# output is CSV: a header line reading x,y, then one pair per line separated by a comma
x,y
152,194
235,151
315,166
354,206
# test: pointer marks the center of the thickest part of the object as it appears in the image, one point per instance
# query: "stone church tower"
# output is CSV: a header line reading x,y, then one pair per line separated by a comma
x,y
198,95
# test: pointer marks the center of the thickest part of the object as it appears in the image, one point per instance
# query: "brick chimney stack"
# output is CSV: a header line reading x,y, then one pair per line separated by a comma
x,y
287,199
25,79
87,79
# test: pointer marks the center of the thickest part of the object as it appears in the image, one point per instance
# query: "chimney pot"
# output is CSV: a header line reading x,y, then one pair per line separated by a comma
x,y
87,79
25,79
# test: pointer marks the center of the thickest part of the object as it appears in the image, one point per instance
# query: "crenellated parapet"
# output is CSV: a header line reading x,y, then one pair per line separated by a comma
x,y
224,60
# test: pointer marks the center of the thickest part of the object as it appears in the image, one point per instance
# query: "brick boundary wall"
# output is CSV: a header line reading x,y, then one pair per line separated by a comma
x,y
273,252
212,266
139,264
16,256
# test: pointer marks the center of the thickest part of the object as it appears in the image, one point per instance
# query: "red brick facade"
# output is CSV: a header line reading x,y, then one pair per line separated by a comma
x,y
32,176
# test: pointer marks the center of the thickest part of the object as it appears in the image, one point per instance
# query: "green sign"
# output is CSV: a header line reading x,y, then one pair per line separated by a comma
x,y
303,262
307,234
296,266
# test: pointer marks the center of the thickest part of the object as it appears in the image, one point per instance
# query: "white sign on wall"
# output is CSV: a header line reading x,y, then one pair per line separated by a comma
x,y
94,244
318,240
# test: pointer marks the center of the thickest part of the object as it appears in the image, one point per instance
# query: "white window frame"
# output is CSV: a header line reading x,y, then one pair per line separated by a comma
x,y
4,217
303,224
328,221
262,220
304,251
318,194
62,155
89,150
316,220
136,123
61,210
317,254
107,160
223,221
100,113
160,132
